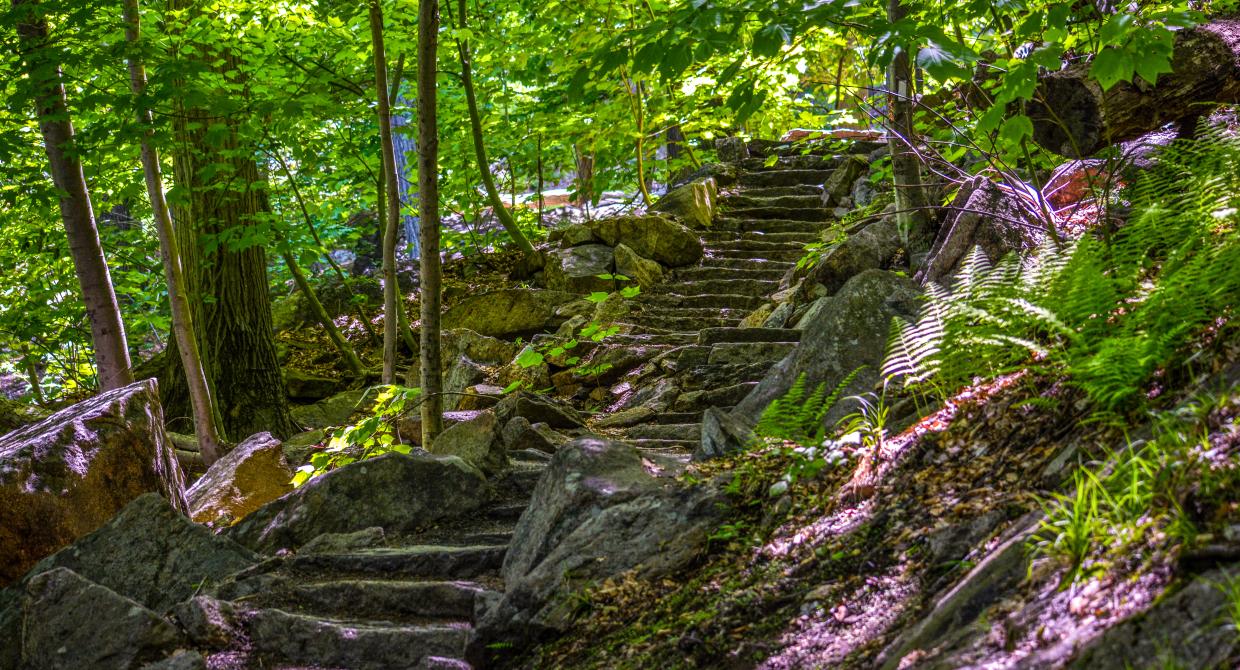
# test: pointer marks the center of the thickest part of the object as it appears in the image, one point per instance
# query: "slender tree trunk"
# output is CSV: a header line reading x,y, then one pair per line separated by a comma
x,y
227,287
906,167
206,415
106,328
391,321
428,191
325,320
31,369
406,331
480,151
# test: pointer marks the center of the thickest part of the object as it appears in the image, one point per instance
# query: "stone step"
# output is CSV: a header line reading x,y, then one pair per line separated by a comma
x,y
732,353
768,225
746,263
688,432
727,396
683,324
785,177
695,312
748,200
697,273
678,417
529,456
748,302
794,162
758,287
668,447
280,636
777,254
797,237
519,482
713,336
779,191
780,213
645,338
375,599
508,512
431,561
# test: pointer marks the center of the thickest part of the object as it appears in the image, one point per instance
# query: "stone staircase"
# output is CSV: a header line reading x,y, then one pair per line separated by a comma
x,y
765,221
410,602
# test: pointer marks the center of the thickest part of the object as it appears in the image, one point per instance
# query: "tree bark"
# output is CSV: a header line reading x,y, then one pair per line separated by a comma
x,y
206,415
106,328
227,286
480,151
391,321
905,165
428,191
1074,117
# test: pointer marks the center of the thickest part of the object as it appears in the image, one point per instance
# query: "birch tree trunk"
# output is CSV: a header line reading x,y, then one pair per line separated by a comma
x,y
106,328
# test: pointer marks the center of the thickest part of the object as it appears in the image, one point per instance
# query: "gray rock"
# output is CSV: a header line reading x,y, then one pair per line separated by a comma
x,y
73,623
334,543
572,236
871,248
780,317
333,411
731,149
839,185
722,434
64,476
395,491
303,386
537,409
153,554
251,475
596,512
507,312
463,373
519,435
693,203
654,237
181,660
293,311
843,333
297,449
644,271
209,623
476,442
577,269
990,218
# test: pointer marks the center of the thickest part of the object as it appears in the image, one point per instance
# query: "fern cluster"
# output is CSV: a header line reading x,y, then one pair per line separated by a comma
x,y
1109,311
799,416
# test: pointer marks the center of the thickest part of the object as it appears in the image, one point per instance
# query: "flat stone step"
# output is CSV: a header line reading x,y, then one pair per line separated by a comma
x,y
734,300
781,213
801,237
785,177
358,645
747,200
713,336
437,561
794,162
699,273
779,191
509,512
746,263
643,338
670,447
374,599
777,254
520,481
529,456
760,287
731,353
727,396
687,432
684,324
696,312
768,225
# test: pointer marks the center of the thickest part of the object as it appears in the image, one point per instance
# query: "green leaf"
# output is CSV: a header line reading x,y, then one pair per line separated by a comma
x,y
770,39
1111,66
630,291
1016,129
529,358
597,296
941,63
1117,29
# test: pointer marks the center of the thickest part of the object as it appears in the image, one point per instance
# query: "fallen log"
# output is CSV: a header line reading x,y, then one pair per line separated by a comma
x,y
1074,117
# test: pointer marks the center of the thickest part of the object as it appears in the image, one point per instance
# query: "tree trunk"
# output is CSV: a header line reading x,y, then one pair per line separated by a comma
x,y
480,151
906,167
106,328
325,320
1074,117
428,190
206,415
391,322
227,286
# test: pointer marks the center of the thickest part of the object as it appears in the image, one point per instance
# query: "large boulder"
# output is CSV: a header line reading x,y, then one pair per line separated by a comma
x,y
578,269
72,623
644,271
153,554
305,386
537,409
873,247
694,203
654,237
396,492
602,508
842,333
838,187
333,411
64,476
988,216
251,475
507,312
476,442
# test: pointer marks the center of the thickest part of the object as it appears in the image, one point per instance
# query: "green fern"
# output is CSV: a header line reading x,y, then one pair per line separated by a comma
x,y
798,417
